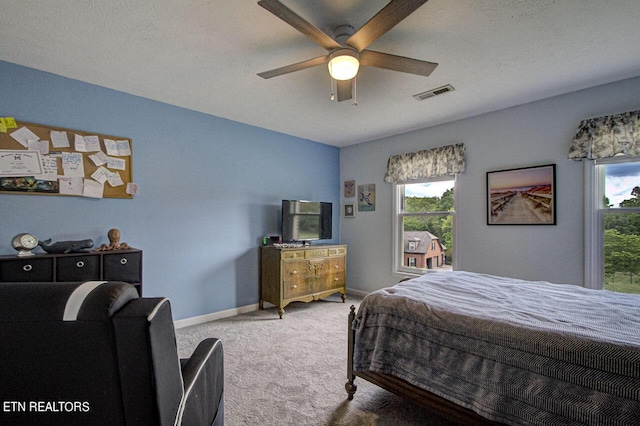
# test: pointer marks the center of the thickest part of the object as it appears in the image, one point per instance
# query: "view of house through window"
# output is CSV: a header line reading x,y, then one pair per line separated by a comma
x,y
425,225
621,219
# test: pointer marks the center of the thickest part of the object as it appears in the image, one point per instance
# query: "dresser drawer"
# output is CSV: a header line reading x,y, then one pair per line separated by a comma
x,y
78,268
25,270
295,269
295,274
292,254
122,266
336,251
318,253
335,281
335,265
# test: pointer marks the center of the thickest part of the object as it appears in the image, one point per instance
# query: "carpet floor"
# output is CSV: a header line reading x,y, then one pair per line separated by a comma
x,y
292,371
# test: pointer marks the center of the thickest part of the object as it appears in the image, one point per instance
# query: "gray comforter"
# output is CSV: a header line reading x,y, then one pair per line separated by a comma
x,y
514,351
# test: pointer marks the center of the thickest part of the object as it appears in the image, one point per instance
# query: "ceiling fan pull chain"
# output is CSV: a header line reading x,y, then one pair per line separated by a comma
x,y
332,81
355,91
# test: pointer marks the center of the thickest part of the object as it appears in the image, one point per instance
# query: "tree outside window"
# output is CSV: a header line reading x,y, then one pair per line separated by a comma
x,y
621,226
424,225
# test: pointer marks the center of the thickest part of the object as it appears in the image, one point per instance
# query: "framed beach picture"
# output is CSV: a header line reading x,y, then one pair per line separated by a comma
x,y
523,196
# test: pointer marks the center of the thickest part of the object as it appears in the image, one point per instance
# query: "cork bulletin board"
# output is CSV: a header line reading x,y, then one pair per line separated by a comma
x,y
44,160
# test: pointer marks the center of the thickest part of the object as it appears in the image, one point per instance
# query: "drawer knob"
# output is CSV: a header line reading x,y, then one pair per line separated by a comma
x,y
27,268
123,261
294,272
336,279
80,264
294,286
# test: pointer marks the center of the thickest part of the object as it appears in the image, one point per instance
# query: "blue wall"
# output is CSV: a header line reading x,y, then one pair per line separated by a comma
x,y
210,188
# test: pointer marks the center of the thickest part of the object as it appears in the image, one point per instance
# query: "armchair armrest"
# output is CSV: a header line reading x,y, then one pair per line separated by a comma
x,y
203,376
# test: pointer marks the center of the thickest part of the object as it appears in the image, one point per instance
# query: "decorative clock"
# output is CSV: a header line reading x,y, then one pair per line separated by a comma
x,y
24,243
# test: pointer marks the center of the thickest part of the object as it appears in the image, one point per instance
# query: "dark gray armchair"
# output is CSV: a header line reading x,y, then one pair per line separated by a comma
x,y
96,353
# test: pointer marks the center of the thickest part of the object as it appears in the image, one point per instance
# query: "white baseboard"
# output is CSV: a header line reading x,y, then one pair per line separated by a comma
x,y
359,293
214,316
238,311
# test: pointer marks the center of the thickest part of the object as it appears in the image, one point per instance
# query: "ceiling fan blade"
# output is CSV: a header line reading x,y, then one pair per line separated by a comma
x,y
388,17
295,67
291,18
371,58
344,89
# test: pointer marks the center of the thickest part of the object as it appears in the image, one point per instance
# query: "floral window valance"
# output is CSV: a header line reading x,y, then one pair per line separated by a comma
x,y
445,160
607,136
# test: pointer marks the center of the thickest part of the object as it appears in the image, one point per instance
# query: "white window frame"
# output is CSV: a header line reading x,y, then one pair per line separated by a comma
x,y
594,218
397,242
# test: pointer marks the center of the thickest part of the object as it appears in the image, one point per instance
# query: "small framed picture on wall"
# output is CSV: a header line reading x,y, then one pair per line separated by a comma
x,y
367,197
349,188
349,210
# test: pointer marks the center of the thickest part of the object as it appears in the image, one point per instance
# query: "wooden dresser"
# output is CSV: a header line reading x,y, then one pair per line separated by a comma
x,y
301,274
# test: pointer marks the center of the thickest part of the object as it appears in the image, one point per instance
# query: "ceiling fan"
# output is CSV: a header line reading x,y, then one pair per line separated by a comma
x,y
347,49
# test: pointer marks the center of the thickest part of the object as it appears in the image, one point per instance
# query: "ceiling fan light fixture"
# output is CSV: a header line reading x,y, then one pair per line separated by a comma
x,y
343,64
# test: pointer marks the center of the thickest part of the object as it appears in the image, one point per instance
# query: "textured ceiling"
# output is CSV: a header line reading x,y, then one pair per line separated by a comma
x,y
204,55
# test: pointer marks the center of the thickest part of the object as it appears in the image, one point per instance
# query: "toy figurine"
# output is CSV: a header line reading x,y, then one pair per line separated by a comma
x,y
65,246
114,242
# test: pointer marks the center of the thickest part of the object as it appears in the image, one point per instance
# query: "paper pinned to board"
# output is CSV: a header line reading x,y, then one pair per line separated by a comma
x,y
99,158
101,174
23,135
132,188
92,143
116,163
42,146
49,168
92,189
86,143
119,148
59,139
72,164
70,185
114,179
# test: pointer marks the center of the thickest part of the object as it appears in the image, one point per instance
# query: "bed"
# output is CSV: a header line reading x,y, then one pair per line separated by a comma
x,y
480,349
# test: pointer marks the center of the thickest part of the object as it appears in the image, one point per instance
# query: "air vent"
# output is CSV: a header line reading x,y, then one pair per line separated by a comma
x,y
434,92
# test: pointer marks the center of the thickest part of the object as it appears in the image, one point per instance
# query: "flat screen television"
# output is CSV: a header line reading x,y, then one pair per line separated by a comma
x,y
306,220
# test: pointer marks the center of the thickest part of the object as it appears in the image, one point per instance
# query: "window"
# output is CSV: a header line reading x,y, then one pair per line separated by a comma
x,y
423,220
612,225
